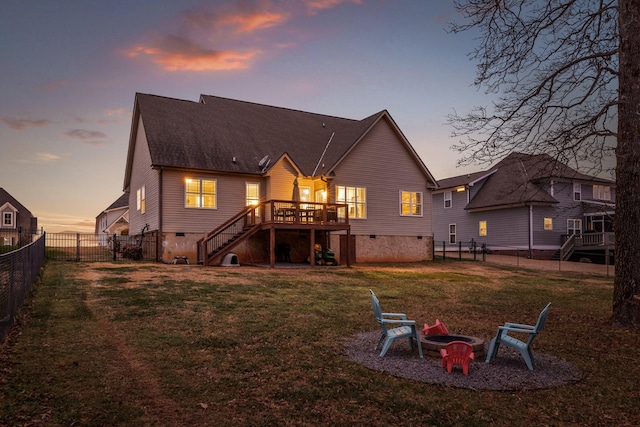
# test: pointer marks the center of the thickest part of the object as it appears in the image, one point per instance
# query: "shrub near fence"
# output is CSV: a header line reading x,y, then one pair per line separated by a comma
x,y
100,247
18,272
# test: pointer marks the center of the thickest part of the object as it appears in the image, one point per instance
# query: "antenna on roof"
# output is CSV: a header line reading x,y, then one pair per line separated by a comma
x,y
263,164
323,153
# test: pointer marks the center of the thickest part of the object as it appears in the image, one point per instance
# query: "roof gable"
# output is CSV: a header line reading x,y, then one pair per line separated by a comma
x,y
234,136
7,199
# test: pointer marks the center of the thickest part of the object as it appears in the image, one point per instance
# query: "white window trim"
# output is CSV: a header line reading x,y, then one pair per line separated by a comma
x,y
454,234
411,204
12,223
577,192
215,181
450,199
355,203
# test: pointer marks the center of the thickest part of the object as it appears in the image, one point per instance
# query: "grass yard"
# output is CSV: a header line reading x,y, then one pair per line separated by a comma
x,y
174,345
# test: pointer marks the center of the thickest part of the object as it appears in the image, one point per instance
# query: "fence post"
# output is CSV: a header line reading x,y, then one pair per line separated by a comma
x,y
78,247
115,246
460,250
444,251
484,252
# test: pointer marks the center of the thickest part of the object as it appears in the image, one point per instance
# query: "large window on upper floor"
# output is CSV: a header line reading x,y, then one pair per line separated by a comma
x,y
601,192
355,198
200,193
410,203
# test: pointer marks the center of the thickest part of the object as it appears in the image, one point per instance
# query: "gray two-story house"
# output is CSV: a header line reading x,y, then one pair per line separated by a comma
x,y
529,203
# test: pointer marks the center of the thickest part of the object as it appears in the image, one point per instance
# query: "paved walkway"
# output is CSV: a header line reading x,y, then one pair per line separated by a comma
x,y
582,267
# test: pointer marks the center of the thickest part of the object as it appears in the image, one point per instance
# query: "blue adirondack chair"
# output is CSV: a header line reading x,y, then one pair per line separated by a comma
x,y
400,327
524,347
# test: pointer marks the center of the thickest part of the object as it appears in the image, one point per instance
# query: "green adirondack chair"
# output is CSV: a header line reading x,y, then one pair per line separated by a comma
x,y
524,347
394,326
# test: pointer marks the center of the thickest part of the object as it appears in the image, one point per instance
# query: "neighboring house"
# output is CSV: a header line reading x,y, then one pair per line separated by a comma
x,y
525,202
17,221
223,175
113,220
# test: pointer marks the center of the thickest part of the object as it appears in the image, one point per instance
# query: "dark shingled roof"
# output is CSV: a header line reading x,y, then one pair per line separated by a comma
x,y
6,197
207,135
517,179
122,202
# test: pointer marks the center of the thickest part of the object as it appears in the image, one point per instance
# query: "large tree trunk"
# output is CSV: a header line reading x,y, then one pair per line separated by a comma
x,y
626,295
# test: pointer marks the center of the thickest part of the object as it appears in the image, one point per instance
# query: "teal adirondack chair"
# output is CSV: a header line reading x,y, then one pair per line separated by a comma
x,y
524,347
405,328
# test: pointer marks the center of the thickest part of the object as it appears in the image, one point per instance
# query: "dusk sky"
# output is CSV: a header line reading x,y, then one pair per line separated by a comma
x,y
70,70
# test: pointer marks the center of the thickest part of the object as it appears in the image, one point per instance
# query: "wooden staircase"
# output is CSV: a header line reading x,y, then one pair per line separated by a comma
x,y
236,230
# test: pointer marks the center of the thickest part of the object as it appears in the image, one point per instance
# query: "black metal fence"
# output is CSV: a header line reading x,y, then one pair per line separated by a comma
x,y
101,247
19,270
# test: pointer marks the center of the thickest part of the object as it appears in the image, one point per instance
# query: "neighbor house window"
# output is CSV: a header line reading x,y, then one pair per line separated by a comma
x,y
200,193
355,198
141,199
447,199
574,226
601,192
548,223
7,219
452,233
577,192
410,203
482,228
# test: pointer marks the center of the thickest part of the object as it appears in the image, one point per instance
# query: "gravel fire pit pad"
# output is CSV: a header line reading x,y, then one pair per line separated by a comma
x,y
507,371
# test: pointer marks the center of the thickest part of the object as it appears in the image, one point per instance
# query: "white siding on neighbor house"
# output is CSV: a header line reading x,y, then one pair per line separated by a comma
x,y
382,164
143,174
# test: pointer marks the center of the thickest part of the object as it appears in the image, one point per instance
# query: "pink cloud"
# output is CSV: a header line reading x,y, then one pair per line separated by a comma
x,y
92,137
315,5
247,23
22,124
176,53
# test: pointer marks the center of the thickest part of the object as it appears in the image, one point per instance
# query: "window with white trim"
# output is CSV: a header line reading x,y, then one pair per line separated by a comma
x,y
577,192
141,198
200,193
8,220
574,226
452,234
548,223
448,202
410,203
355,198
601,192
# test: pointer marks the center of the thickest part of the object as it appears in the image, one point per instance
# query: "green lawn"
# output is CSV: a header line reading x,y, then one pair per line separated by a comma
x,y
151,344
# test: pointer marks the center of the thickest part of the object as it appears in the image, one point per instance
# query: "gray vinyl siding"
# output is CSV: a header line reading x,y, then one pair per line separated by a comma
x,y
382,164
143,174
443,217
506,228
230,199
